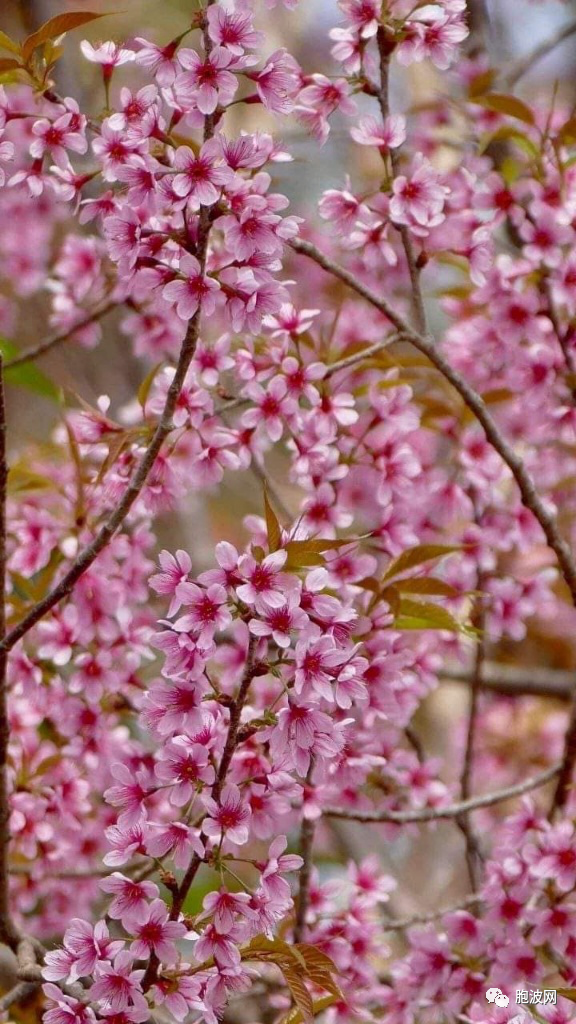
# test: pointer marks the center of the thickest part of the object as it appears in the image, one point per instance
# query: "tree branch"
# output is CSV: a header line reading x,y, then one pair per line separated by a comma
x,y
516,681
137,481
523,65
307,832
8,932
385,53
22,991
473,850
401,924
428,814
57,339
425,344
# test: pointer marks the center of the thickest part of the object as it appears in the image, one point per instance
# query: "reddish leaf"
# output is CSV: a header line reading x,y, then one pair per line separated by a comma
x,y
56,27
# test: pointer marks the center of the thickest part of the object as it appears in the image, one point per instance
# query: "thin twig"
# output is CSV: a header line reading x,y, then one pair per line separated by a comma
x,y
516,680
564,784
400,924
22,991
523,65
137,481
28,869
58,339
366,353
347,362
473,850
8,932
307,832
428,814
385,53
530,497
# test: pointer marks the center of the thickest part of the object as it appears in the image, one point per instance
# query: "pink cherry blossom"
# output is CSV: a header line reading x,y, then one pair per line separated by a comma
x,y
191,290
228,818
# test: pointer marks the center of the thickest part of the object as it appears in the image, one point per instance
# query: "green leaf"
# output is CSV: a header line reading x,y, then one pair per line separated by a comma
x,y
272,525
508,133
418,555
503,104
56,27
427,585
430,616
567,132
480,83
6,43
27,375
309,552
21,480
144,389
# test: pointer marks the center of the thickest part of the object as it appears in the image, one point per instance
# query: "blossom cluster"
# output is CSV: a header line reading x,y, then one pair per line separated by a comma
x,y
185,734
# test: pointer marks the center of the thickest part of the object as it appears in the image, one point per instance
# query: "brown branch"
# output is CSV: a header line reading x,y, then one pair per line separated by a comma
x,y
366,353
19,994
385,48
473,850
425,344
428,814
8,932
137,481
516,681
57,339
307,832
523,65
564,784
28,967
180,894
400,924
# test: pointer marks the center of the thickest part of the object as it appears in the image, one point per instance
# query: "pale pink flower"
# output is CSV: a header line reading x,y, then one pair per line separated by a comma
x,y
156,933
206,80
199,176
175,569
229,818
117,986
131,898
278,82
191,290
183,766
108,54
388,134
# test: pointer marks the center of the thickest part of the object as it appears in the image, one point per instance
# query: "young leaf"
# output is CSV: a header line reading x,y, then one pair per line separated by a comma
x,y
418,555
567,133
567,993
56,27
299,992
431,616
9,44
508,133
9,64
272,525
295,1017
27,375
427,585
144,389
503,104
21,480
314,957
